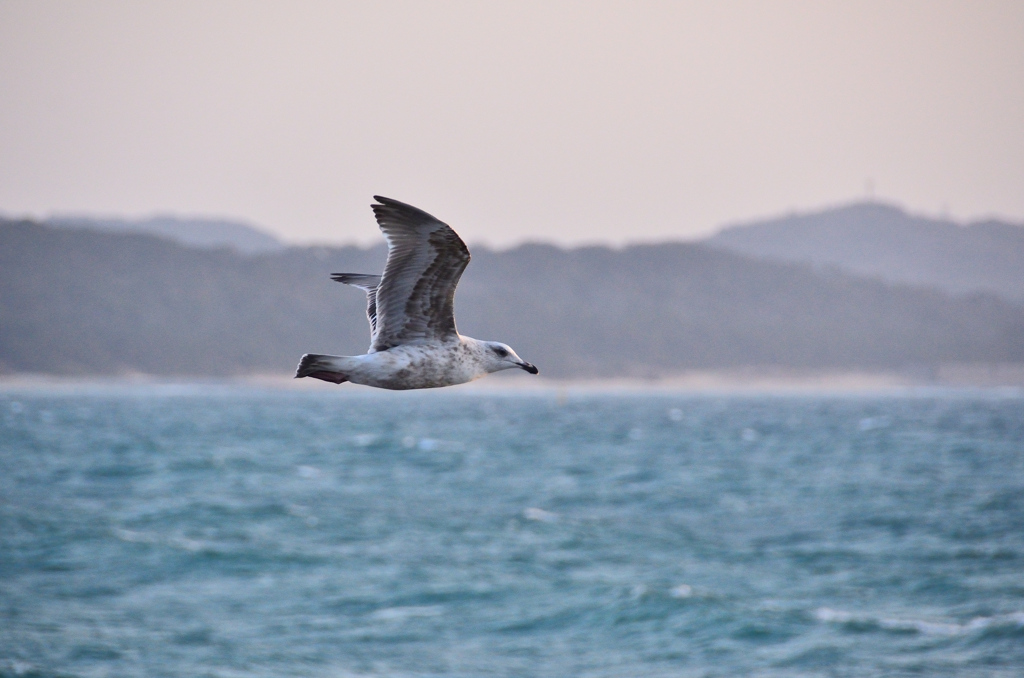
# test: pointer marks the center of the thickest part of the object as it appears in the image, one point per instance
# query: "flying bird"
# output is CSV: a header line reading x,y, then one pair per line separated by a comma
x,y
411,309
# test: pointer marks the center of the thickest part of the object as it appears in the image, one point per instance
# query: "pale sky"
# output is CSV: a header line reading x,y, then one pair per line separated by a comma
x,y
568,122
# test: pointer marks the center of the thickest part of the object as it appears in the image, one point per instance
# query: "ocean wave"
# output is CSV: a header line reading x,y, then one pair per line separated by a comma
x,y
1013,621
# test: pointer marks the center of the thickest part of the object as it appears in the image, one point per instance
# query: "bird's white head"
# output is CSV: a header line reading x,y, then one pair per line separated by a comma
x,y
498,356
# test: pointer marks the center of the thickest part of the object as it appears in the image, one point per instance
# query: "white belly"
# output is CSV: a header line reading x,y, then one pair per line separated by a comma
x,y
416,366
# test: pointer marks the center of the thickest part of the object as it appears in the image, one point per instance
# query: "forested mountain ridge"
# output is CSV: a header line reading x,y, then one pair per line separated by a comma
x,y
189,231
84,302
883,241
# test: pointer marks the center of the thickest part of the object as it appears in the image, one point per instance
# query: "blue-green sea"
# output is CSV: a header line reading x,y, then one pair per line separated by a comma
x,y
227,530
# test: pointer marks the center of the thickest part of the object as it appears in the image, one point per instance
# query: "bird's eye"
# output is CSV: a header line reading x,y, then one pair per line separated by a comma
x,y
500,352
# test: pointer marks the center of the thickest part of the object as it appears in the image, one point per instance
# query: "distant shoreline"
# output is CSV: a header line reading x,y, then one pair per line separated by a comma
x,y
748,380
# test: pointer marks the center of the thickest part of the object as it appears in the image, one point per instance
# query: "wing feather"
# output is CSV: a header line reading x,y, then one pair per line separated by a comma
x,y
415,298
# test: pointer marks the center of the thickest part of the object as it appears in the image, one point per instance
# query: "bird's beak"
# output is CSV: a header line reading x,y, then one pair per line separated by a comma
x,y
528,367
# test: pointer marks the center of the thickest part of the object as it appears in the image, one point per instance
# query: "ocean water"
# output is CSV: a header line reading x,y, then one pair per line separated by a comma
x,y
211,530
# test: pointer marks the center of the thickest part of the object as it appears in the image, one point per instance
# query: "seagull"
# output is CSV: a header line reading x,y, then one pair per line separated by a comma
x,y
411,309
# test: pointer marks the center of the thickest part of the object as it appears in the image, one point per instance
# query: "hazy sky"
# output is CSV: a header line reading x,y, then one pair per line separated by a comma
x,y
569,122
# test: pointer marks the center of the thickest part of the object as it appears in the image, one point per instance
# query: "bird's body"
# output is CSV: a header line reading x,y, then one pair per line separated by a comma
x,y
426,365
414,342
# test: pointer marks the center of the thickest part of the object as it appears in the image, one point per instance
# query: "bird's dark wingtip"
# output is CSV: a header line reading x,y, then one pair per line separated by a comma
x,y
389,207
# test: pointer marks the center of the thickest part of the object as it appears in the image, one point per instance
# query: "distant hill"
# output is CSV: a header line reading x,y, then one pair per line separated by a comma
x,y
883,241
195,232
84,302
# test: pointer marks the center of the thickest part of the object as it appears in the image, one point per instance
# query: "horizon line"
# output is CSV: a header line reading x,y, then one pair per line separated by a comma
x,y
372,241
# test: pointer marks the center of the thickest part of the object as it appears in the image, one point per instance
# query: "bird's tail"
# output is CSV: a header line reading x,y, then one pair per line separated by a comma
x,y
325,367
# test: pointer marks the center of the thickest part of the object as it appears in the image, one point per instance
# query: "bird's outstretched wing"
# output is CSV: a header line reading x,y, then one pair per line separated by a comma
x,y
368,283
415,299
